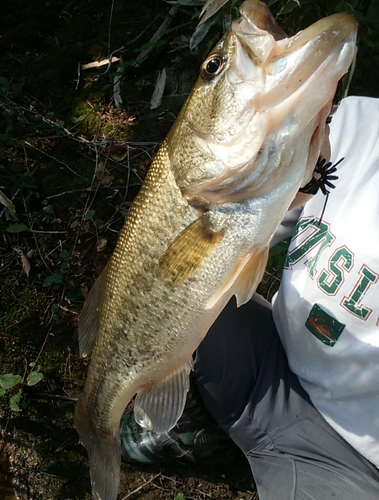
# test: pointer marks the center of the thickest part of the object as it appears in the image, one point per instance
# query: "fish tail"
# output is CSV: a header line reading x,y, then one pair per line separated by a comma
x,y
104,453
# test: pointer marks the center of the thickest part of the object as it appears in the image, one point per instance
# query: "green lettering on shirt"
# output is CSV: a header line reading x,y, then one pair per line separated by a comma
x,y
331,280
352,303
319,235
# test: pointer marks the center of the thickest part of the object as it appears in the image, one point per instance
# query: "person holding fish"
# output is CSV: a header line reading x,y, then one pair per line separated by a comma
x,y
295,387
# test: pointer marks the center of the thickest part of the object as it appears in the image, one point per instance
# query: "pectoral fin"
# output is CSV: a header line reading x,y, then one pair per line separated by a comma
x,y
160,407
250,277
88,322
244,278
186,253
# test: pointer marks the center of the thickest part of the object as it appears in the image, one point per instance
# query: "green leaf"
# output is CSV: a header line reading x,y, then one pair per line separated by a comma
x,y
372,15
4,81
15,87
89,214
119,157
278,254
54,309
2,392
34,378
288,7
202,30
74,224
106,87
14,400
48,209
48,281
57,276
65,254
43,243
77,119
17,228
9,380
180,496
74,294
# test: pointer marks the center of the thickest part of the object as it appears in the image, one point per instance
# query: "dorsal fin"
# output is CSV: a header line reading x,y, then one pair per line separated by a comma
x,y
88,322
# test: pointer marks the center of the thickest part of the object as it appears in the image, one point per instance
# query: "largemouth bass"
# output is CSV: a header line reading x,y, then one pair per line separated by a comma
x,y
246,140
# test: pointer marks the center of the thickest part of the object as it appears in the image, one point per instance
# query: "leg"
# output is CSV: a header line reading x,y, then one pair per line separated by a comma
x,y
245,382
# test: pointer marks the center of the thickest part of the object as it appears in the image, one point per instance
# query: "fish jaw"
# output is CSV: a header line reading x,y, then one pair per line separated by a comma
x,y
267,91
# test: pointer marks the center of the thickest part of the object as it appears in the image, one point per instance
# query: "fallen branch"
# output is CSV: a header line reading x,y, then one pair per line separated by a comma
x,y
99,64
142,486
55,396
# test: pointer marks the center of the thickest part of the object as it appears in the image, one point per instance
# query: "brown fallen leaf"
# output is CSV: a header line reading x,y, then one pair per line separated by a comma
x,y
101,244
24,261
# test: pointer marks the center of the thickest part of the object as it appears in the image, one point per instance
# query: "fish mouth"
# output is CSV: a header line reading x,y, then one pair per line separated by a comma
x,y
286,64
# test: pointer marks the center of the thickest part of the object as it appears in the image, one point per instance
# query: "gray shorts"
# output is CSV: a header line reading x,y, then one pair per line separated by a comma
x,y
244,381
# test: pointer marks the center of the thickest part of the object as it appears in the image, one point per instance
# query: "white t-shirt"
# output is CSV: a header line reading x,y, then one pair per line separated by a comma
x,y
327,308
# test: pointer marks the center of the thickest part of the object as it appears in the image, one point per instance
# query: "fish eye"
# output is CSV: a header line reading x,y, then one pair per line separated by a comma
x,y
213,66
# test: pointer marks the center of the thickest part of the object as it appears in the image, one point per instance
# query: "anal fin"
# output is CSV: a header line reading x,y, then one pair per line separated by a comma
x,y
160,407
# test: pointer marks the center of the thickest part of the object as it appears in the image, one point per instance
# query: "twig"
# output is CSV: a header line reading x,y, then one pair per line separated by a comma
x,y
194,489
117,98
78,78
105,142
43,344
53,158
43,473
55,396
68,441
123,203
40,253
38,231
142,486
98,64
70,191
157,35
44,119
141,33
90,190
110,29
